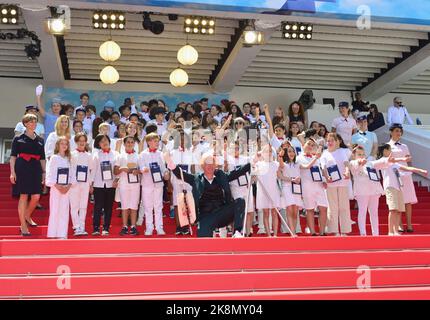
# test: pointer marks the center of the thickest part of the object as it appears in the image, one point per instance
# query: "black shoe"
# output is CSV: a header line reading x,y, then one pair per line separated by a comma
x,y
123,231
186,231
96,232
39,207
24,234
409,230
178,231
314,234
134,232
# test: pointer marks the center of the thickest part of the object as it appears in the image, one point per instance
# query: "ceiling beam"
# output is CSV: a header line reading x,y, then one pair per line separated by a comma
x,y
412,64
49,60
236,61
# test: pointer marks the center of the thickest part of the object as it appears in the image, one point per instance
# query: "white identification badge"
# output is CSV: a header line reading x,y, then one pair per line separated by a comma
x,y
155,172
334,173
81,173
63,176
373,175
296,188
106,169
316,174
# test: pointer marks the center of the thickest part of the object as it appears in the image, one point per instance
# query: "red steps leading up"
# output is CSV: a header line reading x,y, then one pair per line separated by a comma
x,y
189,268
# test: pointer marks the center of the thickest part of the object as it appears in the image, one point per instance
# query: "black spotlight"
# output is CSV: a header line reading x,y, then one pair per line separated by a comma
x,y
33,51
156,27
173,17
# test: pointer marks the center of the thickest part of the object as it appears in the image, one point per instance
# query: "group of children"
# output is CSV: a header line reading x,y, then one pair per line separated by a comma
x,y
294,172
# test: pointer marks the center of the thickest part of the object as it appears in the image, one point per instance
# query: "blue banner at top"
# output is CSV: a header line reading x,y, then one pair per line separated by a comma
x,y
401,11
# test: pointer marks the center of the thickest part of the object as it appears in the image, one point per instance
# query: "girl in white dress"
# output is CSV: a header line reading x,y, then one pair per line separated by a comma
x,y
239,188
59,177
314,193
291,198
293,137
126,168
268,193
82,164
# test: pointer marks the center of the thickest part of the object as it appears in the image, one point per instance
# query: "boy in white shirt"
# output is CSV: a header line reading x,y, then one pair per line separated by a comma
x,y
153,169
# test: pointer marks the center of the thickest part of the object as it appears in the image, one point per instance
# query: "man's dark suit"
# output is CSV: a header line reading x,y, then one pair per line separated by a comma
x,y
232,210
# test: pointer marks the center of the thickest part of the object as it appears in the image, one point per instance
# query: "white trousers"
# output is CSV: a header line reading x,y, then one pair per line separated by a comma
x,y
371,204
152,199
59,205
79,194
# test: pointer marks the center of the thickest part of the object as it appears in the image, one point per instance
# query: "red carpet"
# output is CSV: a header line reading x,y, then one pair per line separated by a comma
x,y
187,268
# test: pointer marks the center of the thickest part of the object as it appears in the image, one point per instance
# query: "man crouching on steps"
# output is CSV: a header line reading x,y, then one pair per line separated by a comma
x,y
215,207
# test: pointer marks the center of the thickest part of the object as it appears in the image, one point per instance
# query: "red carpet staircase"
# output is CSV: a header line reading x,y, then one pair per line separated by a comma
x,y
187,268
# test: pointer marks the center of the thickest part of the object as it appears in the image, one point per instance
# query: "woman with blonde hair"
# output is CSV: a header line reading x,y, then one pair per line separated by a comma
x,y
62,129
59,177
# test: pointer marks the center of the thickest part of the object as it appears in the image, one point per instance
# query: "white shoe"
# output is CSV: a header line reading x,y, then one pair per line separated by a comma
x,y
161,232
261,231
105,233
223,232
149,232
237,234
307,230
78,232
83,232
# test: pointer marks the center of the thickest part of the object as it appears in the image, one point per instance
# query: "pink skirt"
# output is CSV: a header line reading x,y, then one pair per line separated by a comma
x,y
408,189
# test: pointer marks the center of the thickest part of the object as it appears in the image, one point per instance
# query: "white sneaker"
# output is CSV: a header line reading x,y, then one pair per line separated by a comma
x,y
83,232
105,233
161,232
149,232
237,234
223,232
77,232
307,230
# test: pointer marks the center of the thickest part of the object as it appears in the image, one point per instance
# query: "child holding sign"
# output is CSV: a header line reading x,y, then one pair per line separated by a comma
x,y
103,183
153,171
126,168
59,179
334,162
81,166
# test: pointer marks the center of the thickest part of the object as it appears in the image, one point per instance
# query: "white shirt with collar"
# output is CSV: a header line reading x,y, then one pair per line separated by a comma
x,y
344,126
96,174
161,127
398,115
145,159
88,123
400,150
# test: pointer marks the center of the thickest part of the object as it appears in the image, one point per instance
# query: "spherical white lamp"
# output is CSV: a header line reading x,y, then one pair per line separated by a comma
x,y
187,55
110,51
178,78
109,75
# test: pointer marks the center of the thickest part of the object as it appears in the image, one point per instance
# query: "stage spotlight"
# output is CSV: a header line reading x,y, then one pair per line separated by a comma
x,y
199,25
156,27
251,36
109,20
300,31
9,14
56,25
